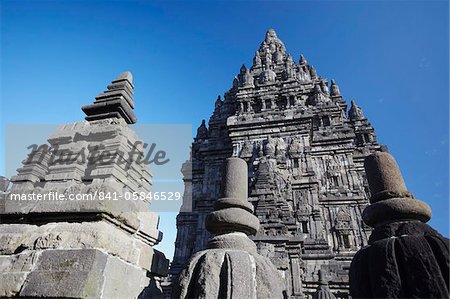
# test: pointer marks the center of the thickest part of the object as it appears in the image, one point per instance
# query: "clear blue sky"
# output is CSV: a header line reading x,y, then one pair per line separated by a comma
x,y
392,57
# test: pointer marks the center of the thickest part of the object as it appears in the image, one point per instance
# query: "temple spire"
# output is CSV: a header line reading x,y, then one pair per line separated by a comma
x,y
271,50
202,131
219,102
303,60
116,102
355,113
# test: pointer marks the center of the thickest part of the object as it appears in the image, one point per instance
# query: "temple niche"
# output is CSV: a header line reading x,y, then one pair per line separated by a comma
x,y
306,178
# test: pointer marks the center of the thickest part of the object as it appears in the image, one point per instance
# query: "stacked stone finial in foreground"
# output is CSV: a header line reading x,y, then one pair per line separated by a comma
x,y
230,267
100,247
405,257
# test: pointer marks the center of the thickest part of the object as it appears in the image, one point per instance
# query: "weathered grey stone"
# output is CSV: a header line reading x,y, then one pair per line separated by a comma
x,y
230,267
67,273
87,273
396,208
99,234
405,257
4,183
235,174
227,220
11,283
123,280
234,240
159,264
101,247
117,101
13,272
306,177
385,177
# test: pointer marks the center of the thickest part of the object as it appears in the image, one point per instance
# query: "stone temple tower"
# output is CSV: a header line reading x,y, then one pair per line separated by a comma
x,y
306,177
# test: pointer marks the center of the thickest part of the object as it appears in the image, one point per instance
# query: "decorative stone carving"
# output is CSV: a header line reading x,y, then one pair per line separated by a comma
x,y
355,113
324,87
302,61
303,74
280,150
335,92
247,150
278,56
295,148
318,96
247,79
343,226
268,60
267,76
235,82
48,241
202,131
269,147
257,60
289,72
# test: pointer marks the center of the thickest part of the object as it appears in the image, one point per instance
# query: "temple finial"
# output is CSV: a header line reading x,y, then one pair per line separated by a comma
x,y
334,89
257,59
313,72
390,200
322,280
271,33
202,131
218,101
355,113
303,60
116,102
233,212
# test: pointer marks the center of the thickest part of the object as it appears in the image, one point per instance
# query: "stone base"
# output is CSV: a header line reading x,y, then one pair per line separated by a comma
x,y
226,272
94,259
74,273
101,235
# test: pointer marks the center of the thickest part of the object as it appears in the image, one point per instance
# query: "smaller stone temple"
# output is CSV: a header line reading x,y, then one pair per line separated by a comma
x,y
230,266
405,257
83,249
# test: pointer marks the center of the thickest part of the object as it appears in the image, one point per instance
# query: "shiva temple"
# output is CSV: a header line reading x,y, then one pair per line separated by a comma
x,y
305,151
